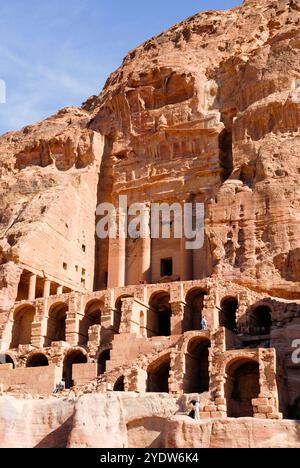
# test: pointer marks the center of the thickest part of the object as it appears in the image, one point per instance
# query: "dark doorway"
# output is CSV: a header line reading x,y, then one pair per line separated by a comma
x,y
241,387
193,310
196,379
294,410
166,267
260,321
75,357
159,315
158,377
164,322
228,313
102,360
56,329
37,360
119,385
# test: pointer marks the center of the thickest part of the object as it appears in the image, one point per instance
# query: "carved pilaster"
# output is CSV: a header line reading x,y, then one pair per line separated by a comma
x,y
177,317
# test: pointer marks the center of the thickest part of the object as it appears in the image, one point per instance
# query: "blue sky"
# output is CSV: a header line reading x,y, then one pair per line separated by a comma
x,y
57,53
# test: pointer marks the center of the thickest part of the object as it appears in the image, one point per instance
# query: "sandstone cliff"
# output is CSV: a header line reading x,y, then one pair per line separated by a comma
x,y
130,421
208,111
219,92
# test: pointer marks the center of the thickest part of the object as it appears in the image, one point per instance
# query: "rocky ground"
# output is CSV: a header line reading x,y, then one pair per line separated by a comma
x,y
129,420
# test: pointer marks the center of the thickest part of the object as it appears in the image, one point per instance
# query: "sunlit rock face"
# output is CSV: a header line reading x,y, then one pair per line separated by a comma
x,y
130,421
207,112
208,109
217,97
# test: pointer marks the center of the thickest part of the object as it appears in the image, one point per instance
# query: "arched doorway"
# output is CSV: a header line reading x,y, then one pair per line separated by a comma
x,y
242,386
74,357
193,310
119,385
56,329
6,359
260,320
196,379
158,376
22,326
102,361
228,313
37,360
159,315
92,316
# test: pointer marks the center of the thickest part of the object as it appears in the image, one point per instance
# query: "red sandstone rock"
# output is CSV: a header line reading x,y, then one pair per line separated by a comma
x,y
130,421
208,112
180,432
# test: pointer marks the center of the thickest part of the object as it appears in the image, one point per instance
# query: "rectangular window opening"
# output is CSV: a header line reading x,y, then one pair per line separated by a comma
x,y
166,266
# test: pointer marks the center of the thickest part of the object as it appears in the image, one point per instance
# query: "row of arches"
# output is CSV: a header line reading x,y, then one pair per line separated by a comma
x,y
259,319
156,322
196,376
242,378
242,382
160,312
56,325
73,357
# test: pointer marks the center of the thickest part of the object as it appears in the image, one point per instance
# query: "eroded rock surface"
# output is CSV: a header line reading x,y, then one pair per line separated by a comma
x,y
209,108
209,112
180,432
130,421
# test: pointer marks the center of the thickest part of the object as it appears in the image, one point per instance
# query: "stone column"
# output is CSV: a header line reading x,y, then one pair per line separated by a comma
x,y
59,291
117,255
39,326
72,320
137,380
176,370
47,288
186,255
107,322
94,339
177,317
266,406
146,246
32,287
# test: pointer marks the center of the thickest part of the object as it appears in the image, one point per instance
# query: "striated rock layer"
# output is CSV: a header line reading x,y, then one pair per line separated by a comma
x,y
180,432
130,421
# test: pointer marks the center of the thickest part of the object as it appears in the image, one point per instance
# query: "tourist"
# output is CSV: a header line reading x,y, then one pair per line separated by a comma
x,y
204,325
60,387
195,412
